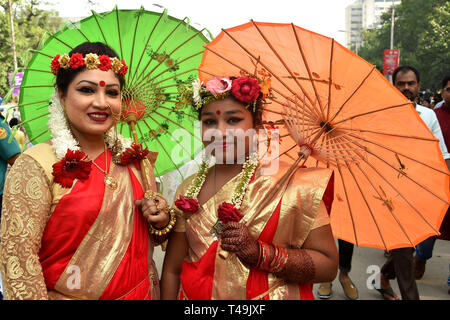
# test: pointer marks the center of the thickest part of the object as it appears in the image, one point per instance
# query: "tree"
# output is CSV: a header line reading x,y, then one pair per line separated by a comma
x,y
30,24
422,34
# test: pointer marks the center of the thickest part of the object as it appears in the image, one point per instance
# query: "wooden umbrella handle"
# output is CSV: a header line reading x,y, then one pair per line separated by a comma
x,y
145,170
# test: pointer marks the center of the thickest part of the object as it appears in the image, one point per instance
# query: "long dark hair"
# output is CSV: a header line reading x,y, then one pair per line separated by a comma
x,y
66,76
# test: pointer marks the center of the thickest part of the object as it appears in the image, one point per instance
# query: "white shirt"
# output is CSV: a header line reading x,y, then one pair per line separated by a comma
x,y
439,104
429,117
171,180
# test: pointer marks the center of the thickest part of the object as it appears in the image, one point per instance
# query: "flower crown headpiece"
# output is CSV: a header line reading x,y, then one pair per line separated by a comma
x,y
246,88
90,60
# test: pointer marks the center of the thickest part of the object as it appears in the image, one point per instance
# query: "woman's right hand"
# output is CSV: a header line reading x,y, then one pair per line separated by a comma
x,y
154,208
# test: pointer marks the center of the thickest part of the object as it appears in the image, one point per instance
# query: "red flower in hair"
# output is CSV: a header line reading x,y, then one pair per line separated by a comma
x,y
105,62
55,64
187,204
228,213
245,89
72,166
76,61
123,71
134,154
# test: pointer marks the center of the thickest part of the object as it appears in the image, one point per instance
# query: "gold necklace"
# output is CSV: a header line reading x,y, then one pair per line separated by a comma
x,y
109,180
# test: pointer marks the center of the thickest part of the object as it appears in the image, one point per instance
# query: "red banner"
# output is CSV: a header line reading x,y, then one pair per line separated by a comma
x,y
391,61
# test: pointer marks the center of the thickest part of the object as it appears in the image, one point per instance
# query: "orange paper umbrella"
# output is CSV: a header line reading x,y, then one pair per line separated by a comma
x,y
392,187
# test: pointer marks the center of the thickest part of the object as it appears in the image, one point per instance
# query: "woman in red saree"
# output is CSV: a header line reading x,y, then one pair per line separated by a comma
x,y
274,226
76,222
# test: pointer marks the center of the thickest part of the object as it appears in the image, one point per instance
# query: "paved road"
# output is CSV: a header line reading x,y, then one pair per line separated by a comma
x,y
433,285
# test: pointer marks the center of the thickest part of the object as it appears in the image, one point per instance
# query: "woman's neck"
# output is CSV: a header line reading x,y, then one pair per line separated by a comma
x,y
228,170
92,146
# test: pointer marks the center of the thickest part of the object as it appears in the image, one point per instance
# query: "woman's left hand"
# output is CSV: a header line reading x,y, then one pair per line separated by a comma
x,y
155,209
237,238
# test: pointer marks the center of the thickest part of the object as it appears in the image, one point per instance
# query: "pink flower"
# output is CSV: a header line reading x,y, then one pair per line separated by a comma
x,y
218,85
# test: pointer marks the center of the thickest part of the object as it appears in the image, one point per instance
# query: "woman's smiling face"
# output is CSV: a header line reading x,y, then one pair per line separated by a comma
x,y
226,124
91,101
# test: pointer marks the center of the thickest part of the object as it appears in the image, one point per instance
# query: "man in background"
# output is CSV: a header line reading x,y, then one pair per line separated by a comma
x,y
400,262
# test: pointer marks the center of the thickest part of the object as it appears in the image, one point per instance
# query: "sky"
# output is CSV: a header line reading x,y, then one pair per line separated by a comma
x,y
326,17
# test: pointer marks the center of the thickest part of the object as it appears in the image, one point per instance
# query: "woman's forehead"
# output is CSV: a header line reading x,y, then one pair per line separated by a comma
x,y
225,106
96,75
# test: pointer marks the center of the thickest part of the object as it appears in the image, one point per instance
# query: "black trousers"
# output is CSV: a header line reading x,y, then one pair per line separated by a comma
x,y
345,255
400,265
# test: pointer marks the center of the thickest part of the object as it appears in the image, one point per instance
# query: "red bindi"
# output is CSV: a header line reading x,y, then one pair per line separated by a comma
x,y
218,112
102,83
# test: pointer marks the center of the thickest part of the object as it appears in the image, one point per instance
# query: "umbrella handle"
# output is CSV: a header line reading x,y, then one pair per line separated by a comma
x,y
145,170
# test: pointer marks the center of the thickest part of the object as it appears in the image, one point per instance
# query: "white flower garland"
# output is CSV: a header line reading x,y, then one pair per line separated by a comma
x,y
199,179
244,178
196,87
248,169
62,138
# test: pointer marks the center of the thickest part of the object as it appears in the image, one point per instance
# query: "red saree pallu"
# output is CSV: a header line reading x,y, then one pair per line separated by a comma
x,y
281,214
102,235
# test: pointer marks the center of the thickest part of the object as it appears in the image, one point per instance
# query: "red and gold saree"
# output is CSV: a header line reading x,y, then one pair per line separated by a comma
x,y
83,242
277,211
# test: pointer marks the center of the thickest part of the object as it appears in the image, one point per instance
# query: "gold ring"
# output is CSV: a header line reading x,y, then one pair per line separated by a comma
x,y
160,207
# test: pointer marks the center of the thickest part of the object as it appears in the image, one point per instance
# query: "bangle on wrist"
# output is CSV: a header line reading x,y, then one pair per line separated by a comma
x,y
164,231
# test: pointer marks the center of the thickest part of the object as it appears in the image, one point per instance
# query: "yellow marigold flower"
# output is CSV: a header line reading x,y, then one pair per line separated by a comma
x,y
116,65
64,61
91,61
265,86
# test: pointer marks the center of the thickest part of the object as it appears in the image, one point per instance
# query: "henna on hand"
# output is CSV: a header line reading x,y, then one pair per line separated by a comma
x,y
293,265
237,239
299,267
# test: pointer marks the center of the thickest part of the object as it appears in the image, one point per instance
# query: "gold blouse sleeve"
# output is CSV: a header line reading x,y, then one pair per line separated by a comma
x,y
322,217
180,225
26,207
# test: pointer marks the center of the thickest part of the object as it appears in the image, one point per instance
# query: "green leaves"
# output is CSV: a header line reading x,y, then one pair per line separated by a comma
x,y
421,32
30,24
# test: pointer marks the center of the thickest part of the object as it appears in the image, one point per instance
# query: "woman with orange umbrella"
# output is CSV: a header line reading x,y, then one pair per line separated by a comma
x,y
275,227
340,110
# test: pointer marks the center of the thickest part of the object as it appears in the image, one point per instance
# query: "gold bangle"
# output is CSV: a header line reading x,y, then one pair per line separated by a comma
x,y
168,228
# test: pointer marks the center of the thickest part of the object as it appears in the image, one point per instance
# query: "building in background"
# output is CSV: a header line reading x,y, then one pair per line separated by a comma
x,y
363,14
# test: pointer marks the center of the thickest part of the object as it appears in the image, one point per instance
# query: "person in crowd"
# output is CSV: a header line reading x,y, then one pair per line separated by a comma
x,y
16,114
345,265
77,221
424,250
241,233
20,136
400,261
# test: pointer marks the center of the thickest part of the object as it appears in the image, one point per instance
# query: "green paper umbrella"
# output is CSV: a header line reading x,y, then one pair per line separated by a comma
x,y
161,53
